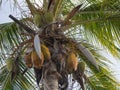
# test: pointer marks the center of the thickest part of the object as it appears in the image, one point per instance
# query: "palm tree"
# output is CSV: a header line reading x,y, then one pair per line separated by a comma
x,y
55,45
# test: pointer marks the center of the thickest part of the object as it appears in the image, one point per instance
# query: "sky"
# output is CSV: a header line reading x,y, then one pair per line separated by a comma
x,y
4,13
6,10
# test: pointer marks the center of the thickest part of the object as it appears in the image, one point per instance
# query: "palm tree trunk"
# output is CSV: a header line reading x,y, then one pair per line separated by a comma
x,y
50,77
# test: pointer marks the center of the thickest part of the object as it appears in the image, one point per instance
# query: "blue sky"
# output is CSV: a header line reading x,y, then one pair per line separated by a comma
x,y
6,9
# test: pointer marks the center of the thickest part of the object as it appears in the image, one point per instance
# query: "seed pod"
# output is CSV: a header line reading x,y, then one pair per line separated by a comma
x,y
72,62
46,52
15,69
9,64
37,62
81,68
38,20
48,17
28,60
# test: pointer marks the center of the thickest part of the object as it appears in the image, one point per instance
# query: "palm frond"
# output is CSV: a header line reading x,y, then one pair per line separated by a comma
x,y
23,81
104,80
59,5
31,7
10,37
99,23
